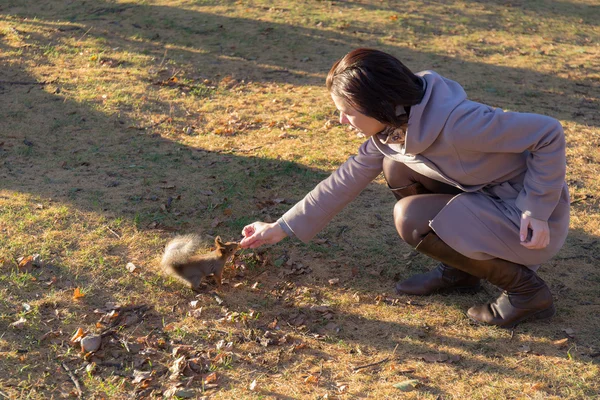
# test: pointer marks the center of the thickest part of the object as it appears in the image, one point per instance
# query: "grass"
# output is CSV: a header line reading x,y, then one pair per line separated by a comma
x,y
162,117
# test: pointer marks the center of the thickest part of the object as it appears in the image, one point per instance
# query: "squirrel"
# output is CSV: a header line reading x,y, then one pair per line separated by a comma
x,y
180,260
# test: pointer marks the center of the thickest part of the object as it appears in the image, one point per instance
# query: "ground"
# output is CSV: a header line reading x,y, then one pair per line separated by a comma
x,y
125,123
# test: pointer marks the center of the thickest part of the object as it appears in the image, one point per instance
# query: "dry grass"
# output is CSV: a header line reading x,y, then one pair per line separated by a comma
x,y
148,105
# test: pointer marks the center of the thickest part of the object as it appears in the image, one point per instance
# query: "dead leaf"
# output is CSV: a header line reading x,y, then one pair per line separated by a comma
x,y
570,332
227,211
77,294
312,379
78,335
537,386
299,346
139,376
215,222
131,267
334,281
26,264
561,342
408,385
524,349
252,386
211,378
19,324
91,368
177,368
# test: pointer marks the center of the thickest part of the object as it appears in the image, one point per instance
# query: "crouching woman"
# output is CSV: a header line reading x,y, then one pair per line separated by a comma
x,y
478,189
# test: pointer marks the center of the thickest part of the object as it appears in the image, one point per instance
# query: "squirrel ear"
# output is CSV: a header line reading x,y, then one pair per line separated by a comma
x,y
218,240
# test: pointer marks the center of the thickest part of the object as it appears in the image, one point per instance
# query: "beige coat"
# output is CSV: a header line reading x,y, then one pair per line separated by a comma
x,y
505,162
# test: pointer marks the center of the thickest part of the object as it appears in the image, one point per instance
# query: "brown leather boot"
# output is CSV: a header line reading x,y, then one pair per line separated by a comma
x,y
442,279
525,294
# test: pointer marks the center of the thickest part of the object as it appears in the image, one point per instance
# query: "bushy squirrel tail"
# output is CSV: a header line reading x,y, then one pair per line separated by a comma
x,y
179,250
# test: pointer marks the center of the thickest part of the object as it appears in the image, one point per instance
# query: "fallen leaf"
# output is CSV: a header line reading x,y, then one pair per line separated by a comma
x,y
19,324
215,222
334,281
570,332
177,367
91,368
408,385
26,264
131,267
77,294
561,342
252,386
180,393
524,349
210,378
537,386
299,346
139,376
342,388
78,335
312,379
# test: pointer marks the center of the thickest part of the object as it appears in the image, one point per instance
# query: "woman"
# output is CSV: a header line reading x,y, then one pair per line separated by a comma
x,y
480,190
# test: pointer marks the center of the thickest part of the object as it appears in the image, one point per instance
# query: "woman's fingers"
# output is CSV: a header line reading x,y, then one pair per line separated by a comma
x,y
540,237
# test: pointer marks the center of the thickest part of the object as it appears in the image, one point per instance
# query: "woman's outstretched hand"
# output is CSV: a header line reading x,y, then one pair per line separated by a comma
x,y
540,236
260,233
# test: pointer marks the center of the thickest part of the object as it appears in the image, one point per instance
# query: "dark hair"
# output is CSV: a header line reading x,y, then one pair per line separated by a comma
x,y
375,83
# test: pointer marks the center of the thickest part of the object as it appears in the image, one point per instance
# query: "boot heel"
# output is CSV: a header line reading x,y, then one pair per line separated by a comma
x,y
547,313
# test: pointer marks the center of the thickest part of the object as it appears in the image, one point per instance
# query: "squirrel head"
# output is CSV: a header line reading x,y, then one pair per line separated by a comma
x,y
226,248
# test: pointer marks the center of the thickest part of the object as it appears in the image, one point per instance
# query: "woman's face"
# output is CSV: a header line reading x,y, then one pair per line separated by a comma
x,y
348,115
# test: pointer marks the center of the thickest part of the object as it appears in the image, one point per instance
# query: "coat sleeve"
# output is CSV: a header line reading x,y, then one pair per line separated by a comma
x,y
310,215
541,138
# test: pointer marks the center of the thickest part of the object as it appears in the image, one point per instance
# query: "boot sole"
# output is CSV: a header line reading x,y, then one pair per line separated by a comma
x,y
540,315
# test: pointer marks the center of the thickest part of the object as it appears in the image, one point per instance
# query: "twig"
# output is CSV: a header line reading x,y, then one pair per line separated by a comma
x,y
113,232
86,32
4,395
74,379
587,196
356,369
26,82
143,128
163,59
246,150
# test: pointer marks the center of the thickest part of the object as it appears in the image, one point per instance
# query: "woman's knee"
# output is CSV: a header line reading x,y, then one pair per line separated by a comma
x,y
409,223
412,215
